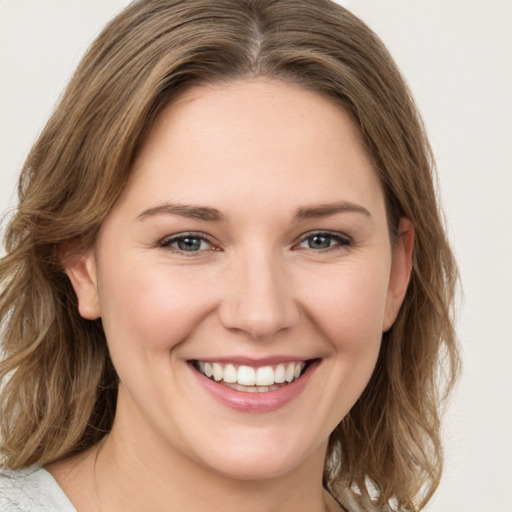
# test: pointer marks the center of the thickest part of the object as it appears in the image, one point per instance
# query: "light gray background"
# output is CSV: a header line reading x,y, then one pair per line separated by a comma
x,y
457,57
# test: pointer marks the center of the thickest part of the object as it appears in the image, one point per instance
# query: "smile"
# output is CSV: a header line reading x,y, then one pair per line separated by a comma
x,y
251,388
251,379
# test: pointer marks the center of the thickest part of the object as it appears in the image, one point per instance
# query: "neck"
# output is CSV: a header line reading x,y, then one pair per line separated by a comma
x,y
160,478
134,469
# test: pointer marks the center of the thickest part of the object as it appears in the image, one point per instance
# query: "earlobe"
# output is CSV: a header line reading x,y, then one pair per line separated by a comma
x,y
81,270
400,274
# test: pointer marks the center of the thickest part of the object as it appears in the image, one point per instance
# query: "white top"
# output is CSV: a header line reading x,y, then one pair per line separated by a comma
x,y
35,490
32,490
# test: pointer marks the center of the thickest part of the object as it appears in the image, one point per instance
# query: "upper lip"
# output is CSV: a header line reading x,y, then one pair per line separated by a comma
x,y
253,361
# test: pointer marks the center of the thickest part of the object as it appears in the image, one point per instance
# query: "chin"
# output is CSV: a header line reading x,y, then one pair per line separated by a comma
x,y
256,468
260,458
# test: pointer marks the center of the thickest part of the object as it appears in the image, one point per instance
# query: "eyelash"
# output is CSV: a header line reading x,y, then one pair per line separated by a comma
x,y
340,241
175,239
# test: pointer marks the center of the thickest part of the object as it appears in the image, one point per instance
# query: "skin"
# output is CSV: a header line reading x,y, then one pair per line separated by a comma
x,y
257,151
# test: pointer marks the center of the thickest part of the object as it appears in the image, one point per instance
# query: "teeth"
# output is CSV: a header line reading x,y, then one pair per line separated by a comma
x,y
246,376
249,379
217,372
280,374
289,373
230,373
265,376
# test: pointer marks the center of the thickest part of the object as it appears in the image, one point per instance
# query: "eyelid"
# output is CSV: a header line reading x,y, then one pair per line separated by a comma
x,y
167,241
343,239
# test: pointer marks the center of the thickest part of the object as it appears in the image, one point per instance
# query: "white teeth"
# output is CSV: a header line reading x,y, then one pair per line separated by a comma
x,y
280,374
246,376
265,376
238,387
249,379
230,374
290,372
217,372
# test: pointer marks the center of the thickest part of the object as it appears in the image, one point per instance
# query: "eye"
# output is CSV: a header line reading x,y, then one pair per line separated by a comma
x,y
187,242
324,240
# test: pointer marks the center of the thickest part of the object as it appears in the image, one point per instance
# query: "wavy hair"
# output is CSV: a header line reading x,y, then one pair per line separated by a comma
x,y
58,385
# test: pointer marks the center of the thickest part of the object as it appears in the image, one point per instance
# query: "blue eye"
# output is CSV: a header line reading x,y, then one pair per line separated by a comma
x,y
322,241
187,243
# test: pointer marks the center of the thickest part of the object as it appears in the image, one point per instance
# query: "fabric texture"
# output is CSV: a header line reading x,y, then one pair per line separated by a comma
x,y
32,490
35,490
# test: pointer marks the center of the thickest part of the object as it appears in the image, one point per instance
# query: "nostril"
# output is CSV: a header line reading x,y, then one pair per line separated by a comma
x,y
259,299
258,320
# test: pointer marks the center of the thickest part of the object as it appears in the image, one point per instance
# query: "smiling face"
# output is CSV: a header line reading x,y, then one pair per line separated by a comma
x,y
244,279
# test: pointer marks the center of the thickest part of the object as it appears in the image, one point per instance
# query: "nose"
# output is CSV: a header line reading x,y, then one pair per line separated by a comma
x,y
259,300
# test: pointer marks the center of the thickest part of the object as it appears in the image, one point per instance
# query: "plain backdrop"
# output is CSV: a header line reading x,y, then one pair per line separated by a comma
x,y
457,57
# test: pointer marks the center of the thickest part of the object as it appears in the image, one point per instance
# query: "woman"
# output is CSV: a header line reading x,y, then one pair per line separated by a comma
x,y
227,285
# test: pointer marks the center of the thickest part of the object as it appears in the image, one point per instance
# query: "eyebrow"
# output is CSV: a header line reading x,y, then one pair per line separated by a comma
x,y
209,214
326,210
205,213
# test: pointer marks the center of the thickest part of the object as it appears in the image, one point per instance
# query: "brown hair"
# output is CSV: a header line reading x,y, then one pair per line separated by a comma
x,y
58,383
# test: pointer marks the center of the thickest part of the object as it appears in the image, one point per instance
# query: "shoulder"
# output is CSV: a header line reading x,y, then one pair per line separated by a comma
x,y
31,490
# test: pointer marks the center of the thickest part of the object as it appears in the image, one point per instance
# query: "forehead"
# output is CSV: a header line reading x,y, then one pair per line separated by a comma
x,y
258,135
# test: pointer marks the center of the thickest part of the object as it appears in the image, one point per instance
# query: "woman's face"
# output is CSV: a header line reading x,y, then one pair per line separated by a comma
x,y
251,242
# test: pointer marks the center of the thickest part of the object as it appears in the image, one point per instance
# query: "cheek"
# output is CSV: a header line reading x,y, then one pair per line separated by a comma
x,y
153,309
348,305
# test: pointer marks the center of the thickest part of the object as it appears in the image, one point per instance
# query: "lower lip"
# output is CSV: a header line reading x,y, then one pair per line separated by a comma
x,y
262,402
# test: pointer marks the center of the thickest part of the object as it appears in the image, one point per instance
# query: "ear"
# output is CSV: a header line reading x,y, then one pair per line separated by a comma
x,y
400,272
82,272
